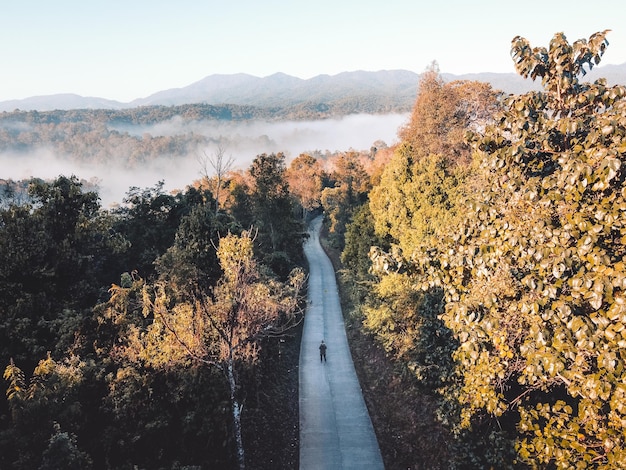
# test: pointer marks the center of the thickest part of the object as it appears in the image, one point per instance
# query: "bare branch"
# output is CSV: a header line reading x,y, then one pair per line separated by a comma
x,y
221,165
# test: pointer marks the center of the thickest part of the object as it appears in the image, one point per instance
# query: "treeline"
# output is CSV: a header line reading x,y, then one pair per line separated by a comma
x,y
488,262
107,135
125,137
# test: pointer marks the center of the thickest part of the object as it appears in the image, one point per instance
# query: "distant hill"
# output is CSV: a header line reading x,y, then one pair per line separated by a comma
x,y
64,101
280,90
365,92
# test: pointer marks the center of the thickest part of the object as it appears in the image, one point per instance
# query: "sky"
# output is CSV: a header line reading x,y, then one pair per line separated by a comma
x,y
128,49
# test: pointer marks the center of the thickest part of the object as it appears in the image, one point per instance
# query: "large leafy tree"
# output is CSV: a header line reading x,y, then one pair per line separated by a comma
x,y
56,253
443,112
192,260
535,276
418,199
360,236
221,327
149,220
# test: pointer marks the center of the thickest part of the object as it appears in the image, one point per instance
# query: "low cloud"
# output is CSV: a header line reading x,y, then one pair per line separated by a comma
x,y
242,141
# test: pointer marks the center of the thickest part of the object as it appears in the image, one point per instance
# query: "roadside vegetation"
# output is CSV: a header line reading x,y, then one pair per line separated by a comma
x,y
481,267
497,265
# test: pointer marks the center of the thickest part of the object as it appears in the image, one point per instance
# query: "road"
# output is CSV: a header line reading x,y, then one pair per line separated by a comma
x,y
335,428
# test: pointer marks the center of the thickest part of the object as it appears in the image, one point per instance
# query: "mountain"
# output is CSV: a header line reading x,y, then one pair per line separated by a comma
x,y
282,90
60,101
385,90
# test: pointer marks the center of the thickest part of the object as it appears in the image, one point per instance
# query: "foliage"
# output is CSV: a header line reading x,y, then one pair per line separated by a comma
x,y
221,327
417,199
63,452
51,395
280,230
55,254
305,178
347,192
443,112
192,260
93,399
224,324
150,219
359,238
534,276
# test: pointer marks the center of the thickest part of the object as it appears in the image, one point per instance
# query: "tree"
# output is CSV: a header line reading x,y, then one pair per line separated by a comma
x,y
192,259
304,176
360,237
50,397
535,276
218,328
443,112
418,199
150,220
351,184
280,231
221,166
56,252
63,452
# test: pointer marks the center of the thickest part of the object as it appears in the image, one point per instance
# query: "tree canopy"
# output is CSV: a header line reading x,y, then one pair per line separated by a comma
x,y
109,319
532,273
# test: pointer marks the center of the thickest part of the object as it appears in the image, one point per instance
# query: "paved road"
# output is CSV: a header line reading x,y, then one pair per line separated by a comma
x,y
335,428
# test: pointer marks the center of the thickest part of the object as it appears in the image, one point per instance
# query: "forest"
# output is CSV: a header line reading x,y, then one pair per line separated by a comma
x,y
100,135
481,266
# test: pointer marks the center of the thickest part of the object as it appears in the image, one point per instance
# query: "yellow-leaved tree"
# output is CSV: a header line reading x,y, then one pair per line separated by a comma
x,y
534,278
219,328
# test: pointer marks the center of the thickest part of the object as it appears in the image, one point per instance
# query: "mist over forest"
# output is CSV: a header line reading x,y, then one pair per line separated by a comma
x,y
241,140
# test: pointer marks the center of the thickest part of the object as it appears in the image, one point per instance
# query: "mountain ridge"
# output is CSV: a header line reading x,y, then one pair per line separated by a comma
x,y
392,88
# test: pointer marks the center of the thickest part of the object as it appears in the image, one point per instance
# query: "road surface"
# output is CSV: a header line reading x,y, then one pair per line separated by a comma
x,y
335,428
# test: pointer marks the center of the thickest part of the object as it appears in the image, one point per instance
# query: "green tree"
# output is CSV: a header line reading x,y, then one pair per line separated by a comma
x,y
192,259
359,239
63,452
56,252
418,199
150,219
280,232
534,278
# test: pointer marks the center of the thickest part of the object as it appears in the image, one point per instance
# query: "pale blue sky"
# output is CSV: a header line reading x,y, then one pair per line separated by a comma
x,y
127,49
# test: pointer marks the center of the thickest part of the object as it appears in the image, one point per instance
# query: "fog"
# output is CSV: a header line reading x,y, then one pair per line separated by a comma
x,y
241,141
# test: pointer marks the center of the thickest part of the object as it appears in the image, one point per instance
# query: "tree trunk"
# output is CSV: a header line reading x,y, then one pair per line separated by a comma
x,y
218,186
236,407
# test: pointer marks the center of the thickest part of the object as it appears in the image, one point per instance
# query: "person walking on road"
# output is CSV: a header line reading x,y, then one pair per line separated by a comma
x,y
323,351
